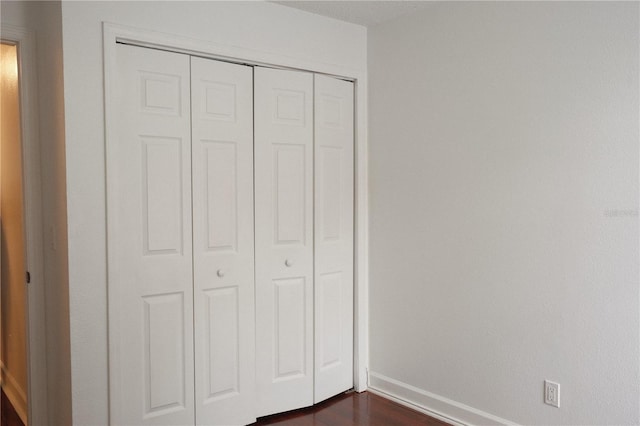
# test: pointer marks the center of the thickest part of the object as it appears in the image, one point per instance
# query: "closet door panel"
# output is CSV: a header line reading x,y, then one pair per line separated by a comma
x,y
222,120
284,239
334,142
149,241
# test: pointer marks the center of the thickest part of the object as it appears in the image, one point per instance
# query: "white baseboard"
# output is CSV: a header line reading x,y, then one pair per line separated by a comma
x,y
14,392
431,404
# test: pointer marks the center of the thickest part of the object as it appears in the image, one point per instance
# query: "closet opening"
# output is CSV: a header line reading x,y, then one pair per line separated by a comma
x,y
204,166
230,195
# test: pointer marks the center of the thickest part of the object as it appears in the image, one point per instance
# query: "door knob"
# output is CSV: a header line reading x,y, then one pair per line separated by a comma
x,y
220,273
288,262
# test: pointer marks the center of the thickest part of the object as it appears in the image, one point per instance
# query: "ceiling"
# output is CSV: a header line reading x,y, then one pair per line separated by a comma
x,y
367,13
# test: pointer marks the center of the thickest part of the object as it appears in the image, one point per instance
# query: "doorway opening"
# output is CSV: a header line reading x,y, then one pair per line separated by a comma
x,y
13,291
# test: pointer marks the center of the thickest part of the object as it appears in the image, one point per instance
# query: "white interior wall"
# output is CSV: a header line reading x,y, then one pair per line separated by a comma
x,y
48,18
504,209
260,27
505,225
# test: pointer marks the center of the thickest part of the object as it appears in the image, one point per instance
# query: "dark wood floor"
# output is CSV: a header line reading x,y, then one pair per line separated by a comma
x,y
352,409
8,415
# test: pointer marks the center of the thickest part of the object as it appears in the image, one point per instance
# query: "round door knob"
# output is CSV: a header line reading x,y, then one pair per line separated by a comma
x,y
288,262
220,273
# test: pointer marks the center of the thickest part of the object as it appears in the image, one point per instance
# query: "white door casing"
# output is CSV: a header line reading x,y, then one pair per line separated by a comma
x,y
222,153
149,234
333,224
284,239
113,34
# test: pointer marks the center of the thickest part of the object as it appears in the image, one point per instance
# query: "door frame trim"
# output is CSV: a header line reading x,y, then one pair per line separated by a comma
x,y
37,377
114,33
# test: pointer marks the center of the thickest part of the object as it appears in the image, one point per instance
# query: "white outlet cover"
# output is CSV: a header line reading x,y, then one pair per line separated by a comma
x,y
552,393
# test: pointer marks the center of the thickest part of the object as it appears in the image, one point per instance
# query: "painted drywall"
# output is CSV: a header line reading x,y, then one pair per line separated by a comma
x,y
44,20
48,18
264,28
504,207
13,358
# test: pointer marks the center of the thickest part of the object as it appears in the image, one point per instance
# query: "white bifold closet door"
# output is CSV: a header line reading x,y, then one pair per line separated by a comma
x,y
149,242
180,241
284,239
333,223
304,238
224,311
192,340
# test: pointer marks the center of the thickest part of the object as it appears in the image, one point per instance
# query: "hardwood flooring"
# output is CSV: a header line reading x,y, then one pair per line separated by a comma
x,y
349,409
8,415
352,409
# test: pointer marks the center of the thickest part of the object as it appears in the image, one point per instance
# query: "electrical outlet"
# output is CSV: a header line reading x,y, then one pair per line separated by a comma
x,y
551,393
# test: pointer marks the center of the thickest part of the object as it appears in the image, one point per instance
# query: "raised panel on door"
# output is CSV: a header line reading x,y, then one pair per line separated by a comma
x,y
149,241
333,159
222,120
284,239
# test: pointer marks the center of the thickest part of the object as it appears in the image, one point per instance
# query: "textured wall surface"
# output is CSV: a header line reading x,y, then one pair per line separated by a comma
x,y
504,197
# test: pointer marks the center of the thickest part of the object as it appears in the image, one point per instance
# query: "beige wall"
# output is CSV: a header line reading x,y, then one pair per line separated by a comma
x,y
13,354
